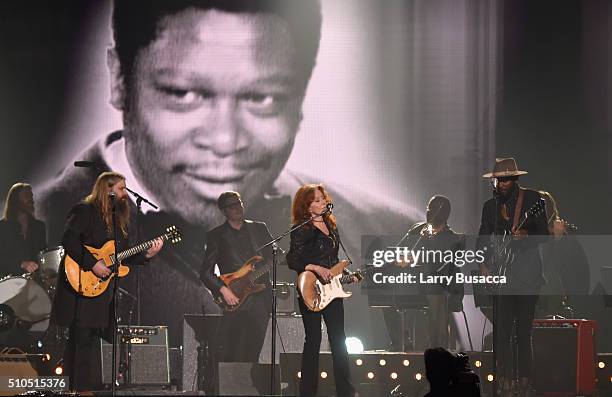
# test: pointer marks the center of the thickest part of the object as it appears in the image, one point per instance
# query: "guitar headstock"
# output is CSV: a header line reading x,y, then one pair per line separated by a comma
x,y
173,234
358,275
537,208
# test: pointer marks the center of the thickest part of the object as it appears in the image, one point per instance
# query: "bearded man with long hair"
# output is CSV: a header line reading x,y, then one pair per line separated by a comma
x,y
90,223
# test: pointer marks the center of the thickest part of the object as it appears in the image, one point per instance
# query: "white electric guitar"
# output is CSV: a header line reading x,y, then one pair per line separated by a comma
x,y
317,295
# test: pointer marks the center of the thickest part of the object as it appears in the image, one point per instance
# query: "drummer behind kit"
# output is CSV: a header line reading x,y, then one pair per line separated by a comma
x,y
29,295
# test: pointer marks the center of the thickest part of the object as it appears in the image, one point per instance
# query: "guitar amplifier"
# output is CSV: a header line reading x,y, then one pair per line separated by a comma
x,y
289,338
149,358
286,298
564,356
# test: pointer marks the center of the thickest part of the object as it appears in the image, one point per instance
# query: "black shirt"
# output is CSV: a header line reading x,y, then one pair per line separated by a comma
x,y
229,249
309,245
16,248
525,271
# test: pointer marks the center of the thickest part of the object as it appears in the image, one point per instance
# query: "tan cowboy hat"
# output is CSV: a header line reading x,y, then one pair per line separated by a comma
x,y
504,167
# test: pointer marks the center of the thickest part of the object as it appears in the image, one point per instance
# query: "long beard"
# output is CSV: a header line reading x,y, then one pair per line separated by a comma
x,y
122,213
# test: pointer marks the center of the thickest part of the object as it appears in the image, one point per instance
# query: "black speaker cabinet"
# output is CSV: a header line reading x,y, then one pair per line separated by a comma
x,y
289,337
149,360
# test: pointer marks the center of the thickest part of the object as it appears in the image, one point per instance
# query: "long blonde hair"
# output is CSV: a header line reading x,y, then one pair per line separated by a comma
x,y
12,199
99,198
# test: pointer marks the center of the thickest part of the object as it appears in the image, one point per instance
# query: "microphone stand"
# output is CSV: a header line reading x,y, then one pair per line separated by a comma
x,y
139,201
274,244
495,297
115,274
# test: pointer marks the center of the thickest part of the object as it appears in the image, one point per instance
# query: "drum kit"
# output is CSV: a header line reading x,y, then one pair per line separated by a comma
x,y
25,300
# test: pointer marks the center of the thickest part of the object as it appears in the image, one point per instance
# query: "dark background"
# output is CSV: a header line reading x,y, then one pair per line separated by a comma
x,y
553,104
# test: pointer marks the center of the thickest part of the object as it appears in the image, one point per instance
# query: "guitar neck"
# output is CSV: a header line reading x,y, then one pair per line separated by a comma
x,y
140,248
261,271
264,269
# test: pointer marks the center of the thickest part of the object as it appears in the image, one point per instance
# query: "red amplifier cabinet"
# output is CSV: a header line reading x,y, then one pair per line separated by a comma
x,y
564,357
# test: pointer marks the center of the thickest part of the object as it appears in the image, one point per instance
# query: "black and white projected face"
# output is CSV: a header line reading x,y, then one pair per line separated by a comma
x,y
214,106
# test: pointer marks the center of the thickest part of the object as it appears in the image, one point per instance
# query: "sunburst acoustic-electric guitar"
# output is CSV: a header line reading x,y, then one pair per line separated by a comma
x,y
87,284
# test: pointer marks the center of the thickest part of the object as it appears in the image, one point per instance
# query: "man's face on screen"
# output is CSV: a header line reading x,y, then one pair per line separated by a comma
x,y
214,106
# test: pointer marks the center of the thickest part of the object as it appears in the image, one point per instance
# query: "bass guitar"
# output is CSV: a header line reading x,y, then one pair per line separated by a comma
x,y
87,284
243,283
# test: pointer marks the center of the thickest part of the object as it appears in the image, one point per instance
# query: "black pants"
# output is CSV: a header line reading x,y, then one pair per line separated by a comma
x,y
82,359
241,333
514,311
438,325
439,320
333,315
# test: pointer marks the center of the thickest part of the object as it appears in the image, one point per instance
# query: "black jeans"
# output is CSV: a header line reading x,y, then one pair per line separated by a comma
x,y
333,315
82,359
514,311
241,333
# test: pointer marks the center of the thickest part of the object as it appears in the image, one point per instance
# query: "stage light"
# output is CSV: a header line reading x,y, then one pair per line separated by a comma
x,y
418,376
299,374
39,344
490,377
601,365
478,363
354,345
359,362
406,363
370,375
59,370
393,375
323,375
382,362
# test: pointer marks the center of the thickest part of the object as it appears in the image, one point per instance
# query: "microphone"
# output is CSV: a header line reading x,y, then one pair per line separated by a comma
x,y
494,183
328,208
112,195
86,164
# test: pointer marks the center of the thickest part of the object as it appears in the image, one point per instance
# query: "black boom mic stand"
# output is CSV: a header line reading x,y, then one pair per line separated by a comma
x,y
115,275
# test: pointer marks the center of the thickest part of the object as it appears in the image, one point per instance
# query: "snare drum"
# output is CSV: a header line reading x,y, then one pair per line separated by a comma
x,y
49,261
28,299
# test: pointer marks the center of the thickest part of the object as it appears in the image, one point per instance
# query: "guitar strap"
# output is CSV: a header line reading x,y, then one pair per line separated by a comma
x,y
344,249
518,209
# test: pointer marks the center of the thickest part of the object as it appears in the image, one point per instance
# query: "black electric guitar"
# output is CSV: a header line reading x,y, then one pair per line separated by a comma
x,y
504,255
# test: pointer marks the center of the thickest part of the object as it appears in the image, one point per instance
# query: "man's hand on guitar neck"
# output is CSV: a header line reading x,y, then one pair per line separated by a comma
x,y
158,243
229,297
100,269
